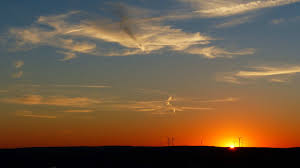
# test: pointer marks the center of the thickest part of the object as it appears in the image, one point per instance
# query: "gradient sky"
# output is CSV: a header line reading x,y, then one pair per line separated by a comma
x,y
133,72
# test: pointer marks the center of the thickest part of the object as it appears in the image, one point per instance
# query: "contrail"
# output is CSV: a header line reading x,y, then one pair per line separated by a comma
x,y
168,102
125,24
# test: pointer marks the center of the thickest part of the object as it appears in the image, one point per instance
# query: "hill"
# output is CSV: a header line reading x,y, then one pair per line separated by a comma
x,y
147,157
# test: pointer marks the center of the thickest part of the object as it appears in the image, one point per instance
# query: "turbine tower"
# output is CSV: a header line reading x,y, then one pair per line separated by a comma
x,y
240,141
173,139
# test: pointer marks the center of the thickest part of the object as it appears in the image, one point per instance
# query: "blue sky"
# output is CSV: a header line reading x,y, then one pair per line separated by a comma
x,y
193,57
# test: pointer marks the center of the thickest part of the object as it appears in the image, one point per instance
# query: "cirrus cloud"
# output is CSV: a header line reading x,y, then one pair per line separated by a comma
x,y
52,101
72,35
273,74
223,8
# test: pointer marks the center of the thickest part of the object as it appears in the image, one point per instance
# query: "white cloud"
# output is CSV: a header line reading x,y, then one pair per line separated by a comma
x,y
3,91
36,34
279,80
135,33
214,52
268,71
17,74
195,100
84,86
273,74
223,8
196,108
228,78
79,111
29,114
39,116
53,101
68,55
278,21
91,86
169,106
229,99
235,21
285,20
18,64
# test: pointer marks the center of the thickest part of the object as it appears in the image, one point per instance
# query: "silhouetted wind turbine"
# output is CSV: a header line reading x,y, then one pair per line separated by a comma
x,y
240,141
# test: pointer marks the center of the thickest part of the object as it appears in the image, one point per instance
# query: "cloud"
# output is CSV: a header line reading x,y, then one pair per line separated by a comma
x,y
235,21
197,108
3,91
279,80
66,86
134,33
214,52
275,74
79,111
53,101
195,100
148,36
39,116
168,106
284,20
84,86
18,74
56,35
228,78
278,21
18,64
268,71
223,8
29,114
68,55
229,99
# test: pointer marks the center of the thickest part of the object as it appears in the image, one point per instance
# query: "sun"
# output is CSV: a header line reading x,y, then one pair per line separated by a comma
x,y
231,146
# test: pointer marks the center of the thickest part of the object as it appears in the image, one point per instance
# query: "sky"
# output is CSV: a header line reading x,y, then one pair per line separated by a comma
x,y
135,72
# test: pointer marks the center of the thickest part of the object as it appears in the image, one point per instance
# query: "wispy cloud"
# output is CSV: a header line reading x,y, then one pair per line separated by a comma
x,y
3,91
68,55
79,111
18,64
53,101
29,114
135,33
91,86
274,74
285,20
229,99
279,80
84,86
235,21
18,74
39,116
197,108
214,52
228,78
152,92
147,36
268,71
223,8
169,106
36,35
278,21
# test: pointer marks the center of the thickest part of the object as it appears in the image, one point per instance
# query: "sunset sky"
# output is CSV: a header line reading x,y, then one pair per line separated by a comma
x,y
135,72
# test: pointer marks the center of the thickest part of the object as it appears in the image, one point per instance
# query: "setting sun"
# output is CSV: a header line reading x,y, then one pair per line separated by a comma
x,y
137,72
149,83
